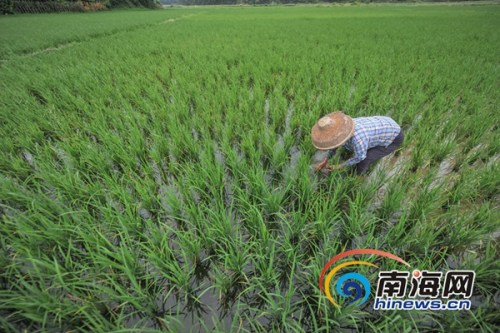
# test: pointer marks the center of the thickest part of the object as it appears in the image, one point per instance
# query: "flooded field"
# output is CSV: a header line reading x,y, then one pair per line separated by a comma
x,y
156,174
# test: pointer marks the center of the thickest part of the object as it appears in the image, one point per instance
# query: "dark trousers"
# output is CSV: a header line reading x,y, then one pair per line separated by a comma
x,y
377,153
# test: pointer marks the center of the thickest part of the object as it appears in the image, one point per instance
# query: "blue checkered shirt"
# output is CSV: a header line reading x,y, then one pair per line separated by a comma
x,y
370,132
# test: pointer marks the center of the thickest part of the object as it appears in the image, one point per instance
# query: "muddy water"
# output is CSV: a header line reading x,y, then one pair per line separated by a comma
x,y
66,160
195,134
156,172
115,204
351,91
6,209
266,112
378,199
415,123
493,160
114,167
378,172
280,143
384,172
288,118
165,190
446,167
399,164
144,213
199,315
228,192
269,177
171,156
444,170
239,153
164,166
162,188
218,155
29,158
227,180
295,155
476,149
49,190
319,156
195,196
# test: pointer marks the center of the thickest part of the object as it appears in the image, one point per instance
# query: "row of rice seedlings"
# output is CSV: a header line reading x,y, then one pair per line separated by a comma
x,y
44,31
173,170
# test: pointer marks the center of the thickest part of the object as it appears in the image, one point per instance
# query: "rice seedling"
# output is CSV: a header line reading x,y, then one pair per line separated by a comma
x,y
157,177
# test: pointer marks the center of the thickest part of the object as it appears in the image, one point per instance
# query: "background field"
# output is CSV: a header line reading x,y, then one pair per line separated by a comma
x,y
155,165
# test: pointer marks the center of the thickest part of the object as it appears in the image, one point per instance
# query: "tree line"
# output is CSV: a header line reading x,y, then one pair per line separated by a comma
x,y
46,6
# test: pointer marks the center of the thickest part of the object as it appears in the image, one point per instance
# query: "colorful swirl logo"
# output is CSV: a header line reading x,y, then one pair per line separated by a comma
x,y
353,286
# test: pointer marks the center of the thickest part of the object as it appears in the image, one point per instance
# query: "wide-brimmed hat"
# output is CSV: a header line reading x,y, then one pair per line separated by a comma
x,y
332,130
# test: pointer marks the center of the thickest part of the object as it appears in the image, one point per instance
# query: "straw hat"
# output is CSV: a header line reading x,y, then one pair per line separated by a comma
x,y
332,130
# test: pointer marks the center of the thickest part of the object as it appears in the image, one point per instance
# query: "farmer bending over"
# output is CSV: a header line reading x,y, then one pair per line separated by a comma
x,y
369,138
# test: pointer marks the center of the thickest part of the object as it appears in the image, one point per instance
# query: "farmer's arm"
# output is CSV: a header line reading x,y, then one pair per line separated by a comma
x,y
360,147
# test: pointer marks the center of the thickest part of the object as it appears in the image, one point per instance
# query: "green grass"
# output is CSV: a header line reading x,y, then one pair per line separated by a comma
x,y
155,165
24,34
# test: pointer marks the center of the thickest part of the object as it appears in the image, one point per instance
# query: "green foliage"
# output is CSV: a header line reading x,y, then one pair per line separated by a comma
x,y
6,7
42,6
31,7
154,165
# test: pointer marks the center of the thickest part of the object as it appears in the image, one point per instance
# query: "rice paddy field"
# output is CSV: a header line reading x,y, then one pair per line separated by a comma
x,y
155,166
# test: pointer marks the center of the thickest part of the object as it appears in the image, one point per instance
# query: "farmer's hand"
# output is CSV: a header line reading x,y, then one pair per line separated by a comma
x,y
321,165
334,167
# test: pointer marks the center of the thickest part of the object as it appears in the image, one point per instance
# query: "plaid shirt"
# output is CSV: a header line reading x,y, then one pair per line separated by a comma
x,y
370,132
